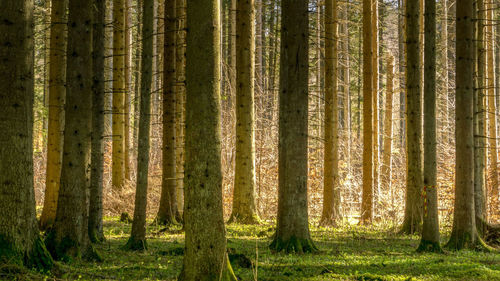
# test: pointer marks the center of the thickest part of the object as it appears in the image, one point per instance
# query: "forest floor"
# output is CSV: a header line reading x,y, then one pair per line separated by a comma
x,y
347,253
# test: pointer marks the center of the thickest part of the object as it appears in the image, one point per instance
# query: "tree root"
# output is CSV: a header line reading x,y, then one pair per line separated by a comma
x,y
429,247
293,245
244,219
134,244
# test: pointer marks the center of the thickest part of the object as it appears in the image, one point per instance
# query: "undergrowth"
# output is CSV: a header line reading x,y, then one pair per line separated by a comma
x,y
346,253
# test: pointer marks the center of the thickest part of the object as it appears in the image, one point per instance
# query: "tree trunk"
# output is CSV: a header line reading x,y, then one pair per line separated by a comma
x,y
205,256
20,241
387,151
57,92
375,102
367,199
430,230
168,212
479,123
331,193
96,233
128,83
244,208
119,92
69,236
401,74
180,100
292,230
137,240
464,233
414,178
492,120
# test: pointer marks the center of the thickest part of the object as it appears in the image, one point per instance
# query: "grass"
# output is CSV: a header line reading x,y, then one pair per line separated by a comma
x,y
348,253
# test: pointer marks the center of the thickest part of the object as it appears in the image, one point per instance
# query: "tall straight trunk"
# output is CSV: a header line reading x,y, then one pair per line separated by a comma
x,y
180,100
259,46
292,230
108,69
244,207
367,198
232,55
128,85
401,74
119,92
492,119
168,202
57,93
414,175
68,238
375,102
137,82
480,122
464,234
387,150
331,192
430,228
444,38
96,233
20,241
347,85
137,240
205,256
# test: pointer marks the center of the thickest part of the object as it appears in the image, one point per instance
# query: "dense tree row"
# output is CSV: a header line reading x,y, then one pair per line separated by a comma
x,y
194,87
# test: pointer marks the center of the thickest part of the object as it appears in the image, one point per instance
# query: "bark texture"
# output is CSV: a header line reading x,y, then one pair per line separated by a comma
x,y
119,92
244,207
19,237
331,190
292,230
367,198
464,233
205,256
430,228
69,236
168,212
137,240
96,233
57,93
387,152
414,175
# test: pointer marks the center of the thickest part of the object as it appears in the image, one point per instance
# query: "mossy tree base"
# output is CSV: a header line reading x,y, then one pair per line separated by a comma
x,y
227,274
244,218
134,244
38,258
67,249
293,245
462,242
96,236
429,247
410,228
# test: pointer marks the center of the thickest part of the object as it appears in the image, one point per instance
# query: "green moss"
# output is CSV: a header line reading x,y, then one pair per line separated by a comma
x,y
8,254
39,257
244,219
293,245
96,236
62,250
134,244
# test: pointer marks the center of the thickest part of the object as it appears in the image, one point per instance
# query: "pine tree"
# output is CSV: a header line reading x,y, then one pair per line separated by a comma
x,y
244,207
430,229
413,207
20,241
292,230
57,93
69,236
137,240
205,256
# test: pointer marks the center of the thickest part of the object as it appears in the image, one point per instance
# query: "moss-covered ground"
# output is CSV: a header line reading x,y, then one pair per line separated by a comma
x,y
347,253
